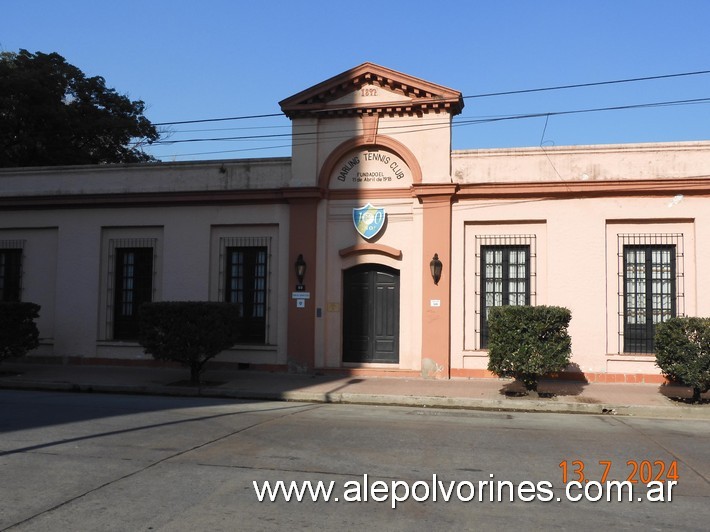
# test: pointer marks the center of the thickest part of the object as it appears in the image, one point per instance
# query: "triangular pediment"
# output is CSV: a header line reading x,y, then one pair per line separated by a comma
x,y
372,89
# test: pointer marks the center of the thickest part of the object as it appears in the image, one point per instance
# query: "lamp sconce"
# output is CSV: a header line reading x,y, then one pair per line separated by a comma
x,y
435,266
300,269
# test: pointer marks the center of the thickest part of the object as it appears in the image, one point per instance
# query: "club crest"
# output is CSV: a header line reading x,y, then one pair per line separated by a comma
x,y
368,220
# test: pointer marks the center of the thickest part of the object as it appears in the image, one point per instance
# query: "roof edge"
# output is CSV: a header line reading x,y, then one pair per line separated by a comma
x,y
420,95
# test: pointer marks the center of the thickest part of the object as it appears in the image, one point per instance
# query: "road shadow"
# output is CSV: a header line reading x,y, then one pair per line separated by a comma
x,y
130,385
682,394
75,416
565,384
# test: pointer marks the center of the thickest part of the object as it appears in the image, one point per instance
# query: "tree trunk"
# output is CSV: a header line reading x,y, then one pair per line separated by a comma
x,y
696,395
530,382
195,370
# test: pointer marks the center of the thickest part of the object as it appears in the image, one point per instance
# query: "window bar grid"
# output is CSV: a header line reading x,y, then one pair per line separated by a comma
x,y
14,245
113,244
634,289
237,241
502,241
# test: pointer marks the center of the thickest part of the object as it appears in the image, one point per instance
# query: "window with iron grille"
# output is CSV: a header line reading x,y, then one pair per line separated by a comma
x,y
131,283
506,274
11,270
651,287
245,282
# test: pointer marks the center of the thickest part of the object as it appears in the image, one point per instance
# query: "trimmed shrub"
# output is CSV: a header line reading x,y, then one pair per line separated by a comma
x,y
18,330
528,342
683,352
188,332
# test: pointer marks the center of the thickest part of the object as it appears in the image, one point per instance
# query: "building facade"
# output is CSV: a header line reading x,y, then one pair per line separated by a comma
x,y
372,197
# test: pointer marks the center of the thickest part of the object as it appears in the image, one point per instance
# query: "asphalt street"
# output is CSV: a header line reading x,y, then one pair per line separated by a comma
x,y
78,461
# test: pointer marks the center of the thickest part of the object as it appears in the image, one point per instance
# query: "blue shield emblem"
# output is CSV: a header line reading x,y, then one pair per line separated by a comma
x,y
368,220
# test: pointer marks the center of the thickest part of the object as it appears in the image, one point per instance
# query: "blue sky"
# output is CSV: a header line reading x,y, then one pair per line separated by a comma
x,y
191,60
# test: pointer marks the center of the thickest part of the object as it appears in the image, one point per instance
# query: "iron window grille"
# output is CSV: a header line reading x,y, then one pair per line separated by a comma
x,y
506,274
651,287
244,279
11,258
130,283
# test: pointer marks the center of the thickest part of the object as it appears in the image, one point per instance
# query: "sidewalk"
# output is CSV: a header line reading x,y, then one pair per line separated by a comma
x,y
642,400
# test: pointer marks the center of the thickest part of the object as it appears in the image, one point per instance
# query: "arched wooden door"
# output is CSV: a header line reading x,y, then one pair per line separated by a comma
x,y
371,314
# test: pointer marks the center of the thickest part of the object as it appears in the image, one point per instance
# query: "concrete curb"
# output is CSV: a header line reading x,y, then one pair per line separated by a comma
x,y
463,403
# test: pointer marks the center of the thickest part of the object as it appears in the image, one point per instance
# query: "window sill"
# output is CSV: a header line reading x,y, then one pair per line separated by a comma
x,y
476,353
633,357
370,365
118,343
237,347
253,347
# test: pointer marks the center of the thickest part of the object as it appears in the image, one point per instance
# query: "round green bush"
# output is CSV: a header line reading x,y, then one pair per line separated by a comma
x,y
683,352
528,342
18,330
188,332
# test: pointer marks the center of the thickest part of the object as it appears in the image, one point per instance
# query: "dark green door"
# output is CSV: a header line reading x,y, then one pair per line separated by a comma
x,y
371,314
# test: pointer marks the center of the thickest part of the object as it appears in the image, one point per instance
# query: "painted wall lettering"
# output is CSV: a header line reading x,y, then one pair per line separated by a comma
x,y
376,156
352,163
371,168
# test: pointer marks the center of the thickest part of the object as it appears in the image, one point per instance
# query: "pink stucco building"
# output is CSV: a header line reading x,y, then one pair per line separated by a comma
x,y
372,192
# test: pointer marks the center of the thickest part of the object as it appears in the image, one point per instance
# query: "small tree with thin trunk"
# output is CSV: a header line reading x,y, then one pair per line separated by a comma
x,y
527,342
188,332
683,352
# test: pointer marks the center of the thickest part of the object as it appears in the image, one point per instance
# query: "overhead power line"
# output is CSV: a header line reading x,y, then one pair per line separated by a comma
x,y
419,127
593,84
483,95
590,110
216,119
307,138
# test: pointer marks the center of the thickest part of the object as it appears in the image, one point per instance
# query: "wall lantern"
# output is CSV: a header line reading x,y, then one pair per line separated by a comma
x,y
300,268
435,266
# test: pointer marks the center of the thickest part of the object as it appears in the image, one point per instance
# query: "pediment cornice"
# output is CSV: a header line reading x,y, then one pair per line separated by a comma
x,y
350,93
